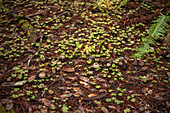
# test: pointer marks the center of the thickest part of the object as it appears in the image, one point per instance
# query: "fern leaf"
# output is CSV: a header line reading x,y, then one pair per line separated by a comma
x,y
157,30
145,48
159,26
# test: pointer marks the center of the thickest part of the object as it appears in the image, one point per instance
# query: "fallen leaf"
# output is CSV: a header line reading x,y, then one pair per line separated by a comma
x,y
118,109
77,111
20,83
96,97
66,95
112,107
69,70
47,102
144,68
81,108
86,85
92,95
85,79
102,59
9,105
105,110
32,77
78,90
100,79
72,78
76,95
8,84
141,63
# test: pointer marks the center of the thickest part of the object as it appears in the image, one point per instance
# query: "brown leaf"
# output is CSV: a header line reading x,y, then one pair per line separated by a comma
x,y
96,97
77,111
102,59
9,105
86,85
76,95
85,79
69,70
92,95
118,109
105,110
4,101
144,68
81,108
37,13
72,78
100,79
78,90
32,77
66,95
46,102
112,107
141,63
168,73
8,84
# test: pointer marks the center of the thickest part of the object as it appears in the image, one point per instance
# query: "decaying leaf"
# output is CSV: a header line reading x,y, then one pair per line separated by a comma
x,y
9,105
20,83
32,77
8,84
70,69
96,97
78,90
47,102
86,85
66,95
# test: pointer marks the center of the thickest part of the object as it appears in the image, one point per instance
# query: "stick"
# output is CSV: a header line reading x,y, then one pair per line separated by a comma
x,y
39,49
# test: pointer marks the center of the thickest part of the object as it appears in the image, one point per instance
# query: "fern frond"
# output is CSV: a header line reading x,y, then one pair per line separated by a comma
x,y
159,27
145,47
157,30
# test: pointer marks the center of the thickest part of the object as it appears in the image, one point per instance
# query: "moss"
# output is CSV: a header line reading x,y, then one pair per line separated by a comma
x,y
26,26
3,110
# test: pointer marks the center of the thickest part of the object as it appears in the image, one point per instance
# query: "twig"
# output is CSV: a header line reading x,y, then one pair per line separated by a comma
x,y
63,12
39,49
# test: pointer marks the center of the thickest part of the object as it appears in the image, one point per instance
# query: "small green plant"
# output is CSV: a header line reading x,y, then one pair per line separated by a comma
x,y
102,4
127,110
122,3
133,100
65,108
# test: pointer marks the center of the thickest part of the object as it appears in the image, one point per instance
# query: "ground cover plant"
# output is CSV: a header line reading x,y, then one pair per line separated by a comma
x,y
84,56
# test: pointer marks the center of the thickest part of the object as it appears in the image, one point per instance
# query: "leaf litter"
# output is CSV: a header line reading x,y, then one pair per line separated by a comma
x,y
85,57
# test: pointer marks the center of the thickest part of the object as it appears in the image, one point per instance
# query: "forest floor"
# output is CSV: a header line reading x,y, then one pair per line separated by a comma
x,y
85,62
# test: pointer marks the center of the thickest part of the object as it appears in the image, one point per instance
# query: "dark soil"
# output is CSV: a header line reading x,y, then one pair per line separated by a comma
x,y
85,56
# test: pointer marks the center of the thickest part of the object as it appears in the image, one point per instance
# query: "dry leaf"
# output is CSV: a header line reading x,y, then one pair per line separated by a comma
x,y
96,97
8,84
85,79
78,90
92,95
66,95
81,108
47,102
70,69
32,77
86,85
